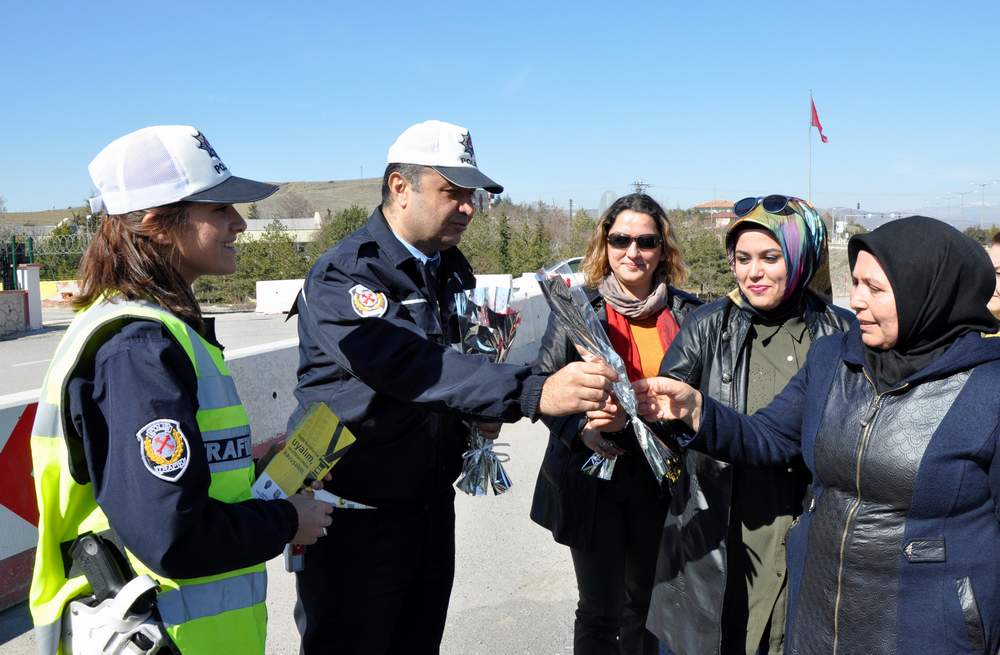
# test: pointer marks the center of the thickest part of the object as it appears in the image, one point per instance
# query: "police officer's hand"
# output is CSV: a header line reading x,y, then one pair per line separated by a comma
x,y
314,516
577,387
489,430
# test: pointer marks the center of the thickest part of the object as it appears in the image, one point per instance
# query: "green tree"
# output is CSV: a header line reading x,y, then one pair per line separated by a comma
x,y
706,258
83,220
580,231
253,212
504,235
532,247
983,235
273,256
480,243
336,228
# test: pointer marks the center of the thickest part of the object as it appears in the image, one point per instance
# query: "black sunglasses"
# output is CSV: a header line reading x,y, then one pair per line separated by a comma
x,y
773,204
644,241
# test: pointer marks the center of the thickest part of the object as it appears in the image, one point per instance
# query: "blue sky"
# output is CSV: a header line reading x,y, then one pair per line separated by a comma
x,y
564,100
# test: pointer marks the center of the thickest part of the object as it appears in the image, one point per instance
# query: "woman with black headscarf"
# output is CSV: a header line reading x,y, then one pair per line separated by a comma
x,y
898,421
720,583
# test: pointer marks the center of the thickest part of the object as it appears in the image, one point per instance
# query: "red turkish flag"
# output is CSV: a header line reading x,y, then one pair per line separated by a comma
x,y
815,121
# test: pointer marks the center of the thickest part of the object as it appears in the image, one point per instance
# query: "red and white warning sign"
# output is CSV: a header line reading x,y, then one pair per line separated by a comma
x,y
18,510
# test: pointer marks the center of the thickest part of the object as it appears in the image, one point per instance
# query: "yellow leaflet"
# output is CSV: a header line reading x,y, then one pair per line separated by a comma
x,y
316,443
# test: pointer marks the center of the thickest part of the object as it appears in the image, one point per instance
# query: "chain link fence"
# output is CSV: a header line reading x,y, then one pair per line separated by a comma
x,y
59,255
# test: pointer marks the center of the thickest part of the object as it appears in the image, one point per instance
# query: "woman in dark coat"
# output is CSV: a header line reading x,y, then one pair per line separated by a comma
x,y
898,421
720,581
613,527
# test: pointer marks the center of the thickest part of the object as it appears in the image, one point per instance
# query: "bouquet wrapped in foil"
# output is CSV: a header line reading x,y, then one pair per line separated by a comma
x,y
571,307
487,324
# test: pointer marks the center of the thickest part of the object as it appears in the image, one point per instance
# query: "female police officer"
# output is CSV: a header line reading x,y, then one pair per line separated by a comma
x,y
140,437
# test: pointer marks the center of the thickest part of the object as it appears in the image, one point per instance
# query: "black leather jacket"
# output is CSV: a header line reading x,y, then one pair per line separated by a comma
x,y
711,354
565,498
900,552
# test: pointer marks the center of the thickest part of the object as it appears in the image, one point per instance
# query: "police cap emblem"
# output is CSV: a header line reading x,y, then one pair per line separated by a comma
x,y
164,449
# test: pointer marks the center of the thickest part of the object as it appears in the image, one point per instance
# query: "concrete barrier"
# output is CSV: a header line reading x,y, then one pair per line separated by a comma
x,y
494,280
28,280
266,376
534,317
13,311
276,296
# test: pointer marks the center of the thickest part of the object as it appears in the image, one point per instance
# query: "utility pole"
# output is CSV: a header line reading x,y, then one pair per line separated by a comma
x,y
362,172
982,199
571,210
947,199
640,186
961,208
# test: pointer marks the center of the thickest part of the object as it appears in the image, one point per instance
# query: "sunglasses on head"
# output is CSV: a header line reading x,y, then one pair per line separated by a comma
x,y
644,241
773,204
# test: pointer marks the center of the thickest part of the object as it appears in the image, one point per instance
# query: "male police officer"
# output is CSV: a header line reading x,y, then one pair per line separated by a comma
x,y
376,320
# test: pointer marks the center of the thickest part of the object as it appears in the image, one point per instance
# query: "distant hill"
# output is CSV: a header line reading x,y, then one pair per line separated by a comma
x,y
317,196
48,217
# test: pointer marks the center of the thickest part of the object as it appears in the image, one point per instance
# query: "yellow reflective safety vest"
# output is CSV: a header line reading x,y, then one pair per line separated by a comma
x,y
222,613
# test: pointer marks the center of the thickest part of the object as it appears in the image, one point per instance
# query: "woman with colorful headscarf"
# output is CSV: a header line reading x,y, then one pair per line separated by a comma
x,y
720,580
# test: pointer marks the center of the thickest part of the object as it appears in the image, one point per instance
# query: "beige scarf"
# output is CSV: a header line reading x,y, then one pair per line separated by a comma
x,y
622,301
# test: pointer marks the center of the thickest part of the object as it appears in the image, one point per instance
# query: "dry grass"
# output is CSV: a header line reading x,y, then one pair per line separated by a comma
x,y
320,196
48,217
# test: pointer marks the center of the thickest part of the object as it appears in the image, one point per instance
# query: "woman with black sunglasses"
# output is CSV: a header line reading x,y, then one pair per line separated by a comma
x,y
613,527
720,581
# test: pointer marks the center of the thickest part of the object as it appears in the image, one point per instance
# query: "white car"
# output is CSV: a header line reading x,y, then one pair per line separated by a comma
x,y
573,276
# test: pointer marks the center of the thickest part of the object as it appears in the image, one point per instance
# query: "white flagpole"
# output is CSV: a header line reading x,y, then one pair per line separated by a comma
x,y
810,148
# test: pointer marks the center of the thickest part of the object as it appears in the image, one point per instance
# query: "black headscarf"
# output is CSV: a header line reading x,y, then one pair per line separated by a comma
x,y
941,280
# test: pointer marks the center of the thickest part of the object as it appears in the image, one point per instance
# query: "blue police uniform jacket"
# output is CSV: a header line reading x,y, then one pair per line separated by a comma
x,y
139,374
376,328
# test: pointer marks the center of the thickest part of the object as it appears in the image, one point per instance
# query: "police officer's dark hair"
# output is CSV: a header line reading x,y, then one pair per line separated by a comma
x,y
126,258
410,172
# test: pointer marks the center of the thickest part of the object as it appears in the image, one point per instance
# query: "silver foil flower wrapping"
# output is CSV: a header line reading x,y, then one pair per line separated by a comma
x,y
571,307
488,325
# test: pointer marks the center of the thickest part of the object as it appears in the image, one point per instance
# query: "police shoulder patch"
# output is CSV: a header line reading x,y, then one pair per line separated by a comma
x,y
164,449
367,303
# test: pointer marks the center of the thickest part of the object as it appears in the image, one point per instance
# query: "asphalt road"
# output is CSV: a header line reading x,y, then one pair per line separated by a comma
x,y
514,587
25,358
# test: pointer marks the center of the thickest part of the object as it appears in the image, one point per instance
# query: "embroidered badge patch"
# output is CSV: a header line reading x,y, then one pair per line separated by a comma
x,y
203,144
368,303
468,155
164,449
